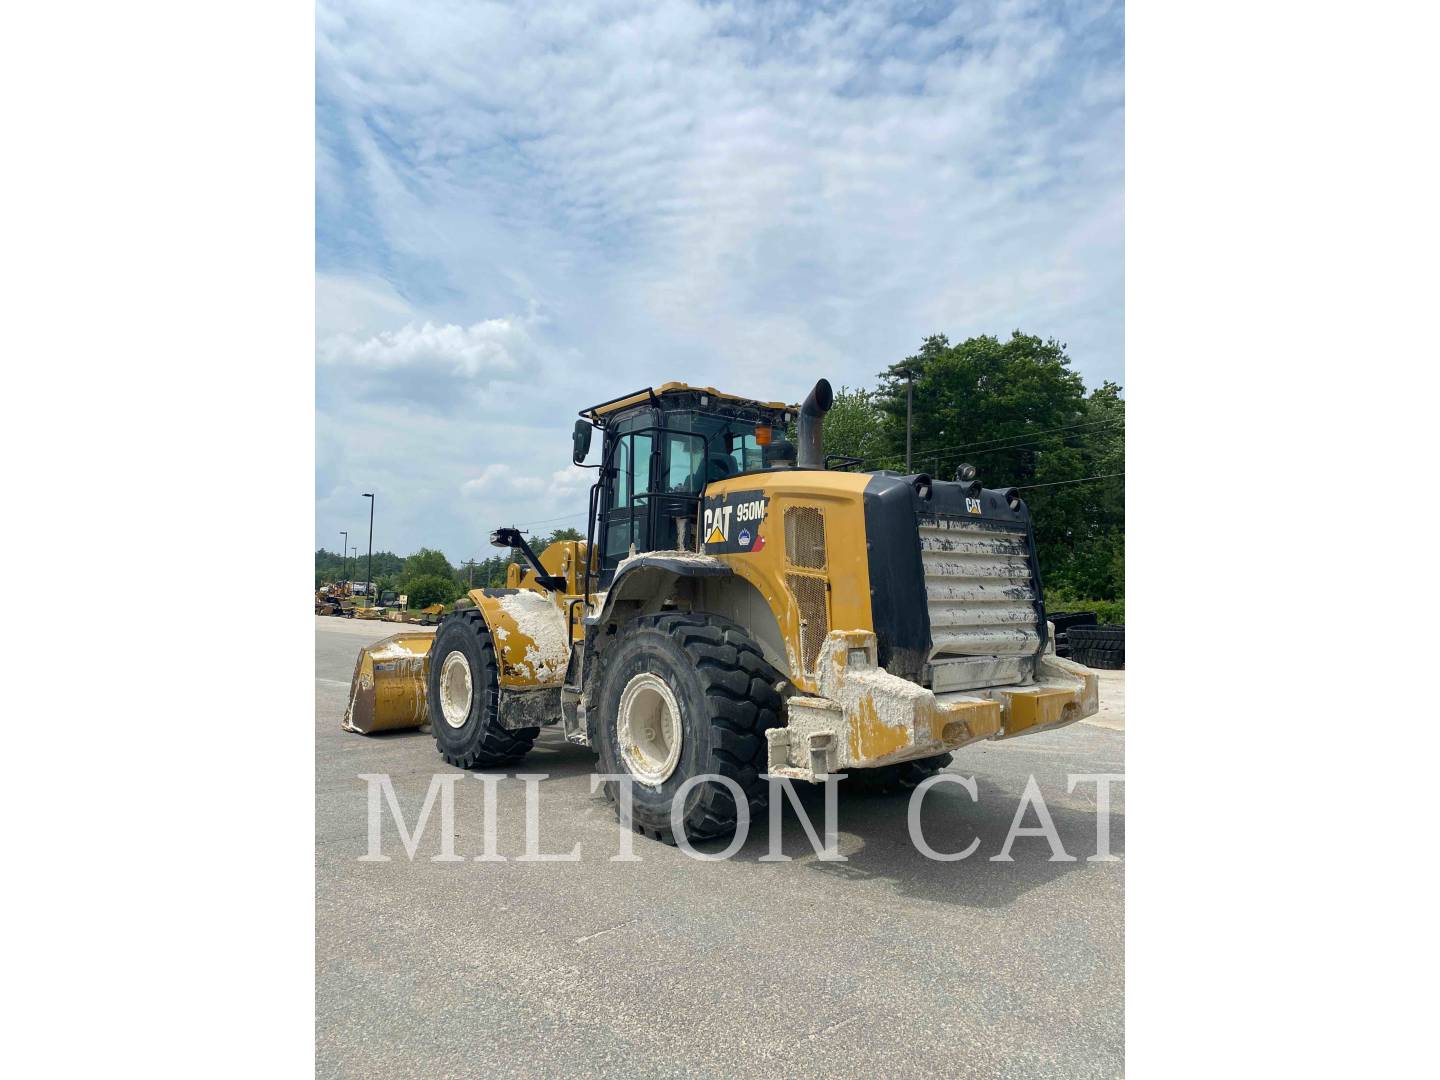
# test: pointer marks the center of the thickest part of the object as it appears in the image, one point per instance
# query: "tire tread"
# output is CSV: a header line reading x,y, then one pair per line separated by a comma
x,y
739,688
496,746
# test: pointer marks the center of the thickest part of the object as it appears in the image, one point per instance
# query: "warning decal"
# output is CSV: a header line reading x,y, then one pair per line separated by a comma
x,y
731,522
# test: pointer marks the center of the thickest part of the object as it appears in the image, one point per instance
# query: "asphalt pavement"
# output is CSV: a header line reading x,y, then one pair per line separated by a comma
x,y
888,964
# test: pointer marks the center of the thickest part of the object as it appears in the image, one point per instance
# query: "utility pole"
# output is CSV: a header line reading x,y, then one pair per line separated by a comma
x,y
909,413
369,546
344,545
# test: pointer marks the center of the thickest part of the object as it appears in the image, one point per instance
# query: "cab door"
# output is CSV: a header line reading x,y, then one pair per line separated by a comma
x,y
627,502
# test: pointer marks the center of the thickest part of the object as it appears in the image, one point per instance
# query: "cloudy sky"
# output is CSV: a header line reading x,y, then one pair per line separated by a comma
x,y
523,210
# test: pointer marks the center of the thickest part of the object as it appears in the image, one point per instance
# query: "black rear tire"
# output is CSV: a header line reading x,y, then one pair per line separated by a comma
x,y
726,698
1064,620
480,741
1098,646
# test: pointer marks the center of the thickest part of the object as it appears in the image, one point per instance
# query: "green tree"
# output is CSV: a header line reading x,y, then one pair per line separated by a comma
x,y
420,574
1017,412
1080,526
427,561
496,571
464,576
328,567
854,427
484,574
334,568
982,401
427,589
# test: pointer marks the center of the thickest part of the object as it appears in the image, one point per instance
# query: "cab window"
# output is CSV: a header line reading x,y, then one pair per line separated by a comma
x,y
621,491
745,452
632,471
640,447
627,520
684,463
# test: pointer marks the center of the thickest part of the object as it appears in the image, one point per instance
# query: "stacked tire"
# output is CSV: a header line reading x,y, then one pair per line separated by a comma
x,y
1063,621
1098,646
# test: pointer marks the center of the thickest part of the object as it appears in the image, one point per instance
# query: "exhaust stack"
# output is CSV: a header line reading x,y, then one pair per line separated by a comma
x,y
811,426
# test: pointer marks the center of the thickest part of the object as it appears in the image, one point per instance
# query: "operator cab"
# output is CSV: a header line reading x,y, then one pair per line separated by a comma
x,y
661,448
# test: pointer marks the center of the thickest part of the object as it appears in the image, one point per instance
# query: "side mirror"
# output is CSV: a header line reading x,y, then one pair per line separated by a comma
x,y
583,431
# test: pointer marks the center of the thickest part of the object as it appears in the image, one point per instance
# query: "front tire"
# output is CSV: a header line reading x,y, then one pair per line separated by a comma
x,y
681,696
462,697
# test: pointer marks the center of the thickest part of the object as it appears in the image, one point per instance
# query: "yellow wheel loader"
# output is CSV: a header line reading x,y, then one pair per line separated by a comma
x,y
739,609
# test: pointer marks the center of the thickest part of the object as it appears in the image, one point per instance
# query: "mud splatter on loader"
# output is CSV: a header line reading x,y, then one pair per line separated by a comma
x,y
739,609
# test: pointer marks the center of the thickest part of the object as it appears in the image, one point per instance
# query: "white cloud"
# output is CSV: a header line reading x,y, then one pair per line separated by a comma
x,y
483,348
357,304
571,480
437,368
502,478
499,478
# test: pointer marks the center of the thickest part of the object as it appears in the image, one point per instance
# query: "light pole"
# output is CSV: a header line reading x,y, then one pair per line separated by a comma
x,y
344,566
909,402
369,546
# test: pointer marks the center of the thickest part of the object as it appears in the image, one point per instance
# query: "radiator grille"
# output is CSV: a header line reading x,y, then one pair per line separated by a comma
x,y
979,588
805,537
809,594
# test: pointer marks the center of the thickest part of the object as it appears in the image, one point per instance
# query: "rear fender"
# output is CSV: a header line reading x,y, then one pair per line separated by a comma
x,y
643,582
641,585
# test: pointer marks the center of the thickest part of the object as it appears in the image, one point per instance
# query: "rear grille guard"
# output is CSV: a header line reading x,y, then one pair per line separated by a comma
x,y
984,600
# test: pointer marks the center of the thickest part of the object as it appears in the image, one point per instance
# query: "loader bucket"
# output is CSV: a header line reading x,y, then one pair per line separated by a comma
x,y
387,692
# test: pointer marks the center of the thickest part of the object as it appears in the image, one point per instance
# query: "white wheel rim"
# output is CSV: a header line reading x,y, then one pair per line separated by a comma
x,y
649,729
455,689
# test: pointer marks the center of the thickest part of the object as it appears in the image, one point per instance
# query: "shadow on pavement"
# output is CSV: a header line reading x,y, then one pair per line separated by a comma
x,y
562,760
950,822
